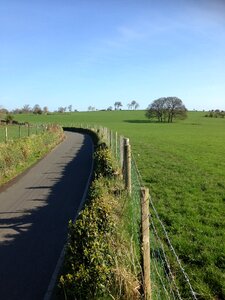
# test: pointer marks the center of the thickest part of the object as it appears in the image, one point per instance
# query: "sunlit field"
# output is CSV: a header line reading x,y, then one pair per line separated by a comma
x,y
12,132
183,164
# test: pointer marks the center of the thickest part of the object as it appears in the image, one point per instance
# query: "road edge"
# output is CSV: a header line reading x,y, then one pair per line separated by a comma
x,y
55,274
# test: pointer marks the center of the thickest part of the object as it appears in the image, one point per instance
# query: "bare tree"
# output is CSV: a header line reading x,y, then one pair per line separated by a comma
x,y
133,105
26,109
91,108
117,105
129,106
61,109
45,109
37,109
166,109
70,107
136,106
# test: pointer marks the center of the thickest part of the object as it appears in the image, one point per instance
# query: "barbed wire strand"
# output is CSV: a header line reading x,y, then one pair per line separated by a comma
x,y
140,182
167,237
165,258
173,250
162,265
160,278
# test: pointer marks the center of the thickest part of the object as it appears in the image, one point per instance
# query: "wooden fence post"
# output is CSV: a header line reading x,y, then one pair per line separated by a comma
x,y
111,140
6,134
108,137
146,241
121,151
28,130
127,165
116,145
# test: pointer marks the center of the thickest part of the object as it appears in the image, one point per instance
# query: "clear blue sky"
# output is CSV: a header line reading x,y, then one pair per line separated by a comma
x,y
96,52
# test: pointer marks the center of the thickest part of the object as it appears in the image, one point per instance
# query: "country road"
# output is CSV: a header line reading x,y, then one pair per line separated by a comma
x,y
34,214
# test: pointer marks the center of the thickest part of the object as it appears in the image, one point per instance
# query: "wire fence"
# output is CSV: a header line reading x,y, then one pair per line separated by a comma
x,y
13,131
168,277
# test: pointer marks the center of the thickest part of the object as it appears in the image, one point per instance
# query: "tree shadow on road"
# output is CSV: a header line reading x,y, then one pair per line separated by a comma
x,y
32,239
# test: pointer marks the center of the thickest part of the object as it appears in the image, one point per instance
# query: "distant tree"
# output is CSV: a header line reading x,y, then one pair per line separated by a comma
x,y
133,105
70,107
110,108
17,111
91,108
61,109
166,109
37,109
136,106
129,106
45,109
215,114
156,110
117,105
9,118
3,110
26,109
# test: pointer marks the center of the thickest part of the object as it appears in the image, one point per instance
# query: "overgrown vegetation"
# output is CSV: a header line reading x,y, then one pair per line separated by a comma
x,y
101,261
17,155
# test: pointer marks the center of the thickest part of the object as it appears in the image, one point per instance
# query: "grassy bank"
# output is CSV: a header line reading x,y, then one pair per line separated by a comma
x,y
18,155
15,131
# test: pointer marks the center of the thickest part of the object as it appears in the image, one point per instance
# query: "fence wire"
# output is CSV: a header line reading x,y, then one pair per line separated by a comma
x,y
164,276
12,132
168,277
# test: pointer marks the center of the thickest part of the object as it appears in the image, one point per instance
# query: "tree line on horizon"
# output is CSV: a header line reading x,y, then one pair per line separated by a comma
x,y
36,109
164,109
133,105
217,113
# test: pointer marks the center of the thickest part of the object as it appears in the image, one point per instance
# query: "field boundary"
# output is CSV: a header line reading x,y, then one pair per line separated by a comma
x,y
168,279
17,131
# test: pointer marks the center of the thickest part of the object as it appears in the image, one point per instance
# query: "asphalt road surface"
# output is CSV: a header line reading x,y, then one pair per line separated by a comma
x,y
34,214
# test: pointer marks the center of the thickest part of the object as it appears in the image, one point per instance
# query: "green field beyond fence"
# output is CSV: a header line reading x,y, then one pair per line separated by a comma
x,y
183,164
12,132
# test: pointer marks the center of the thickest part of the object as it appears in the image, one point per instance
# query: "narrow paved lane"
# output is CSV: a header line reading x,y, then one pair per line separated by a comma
x,y
34,214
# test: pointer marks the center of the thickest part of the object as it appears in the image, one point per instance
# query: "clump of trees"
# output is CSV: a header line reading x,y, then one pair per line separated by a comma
x,y
215,114
133,105
166,109
118,105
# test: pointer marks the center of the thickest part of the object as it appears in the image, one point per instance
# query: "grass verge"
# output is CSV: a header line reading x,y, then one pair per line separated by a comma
x,y
18,155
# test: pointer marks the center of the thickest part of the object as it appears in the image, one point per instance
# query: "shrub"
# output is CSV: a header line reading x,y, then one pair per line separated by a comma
x,y
104,164
88,258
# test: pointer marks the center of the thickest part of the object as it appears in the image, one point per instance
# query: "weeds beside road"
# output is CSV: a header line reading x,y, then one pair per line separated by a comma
x,y
17,155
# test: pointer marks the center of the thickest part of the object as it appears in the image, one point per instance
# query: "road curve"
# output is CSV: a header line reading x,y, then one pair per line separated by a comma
x,y
34,214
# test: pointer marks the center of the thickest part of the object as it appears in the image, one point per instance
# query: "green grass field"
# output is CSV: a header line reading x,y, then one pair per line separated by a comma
x,y
15,132
183,164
